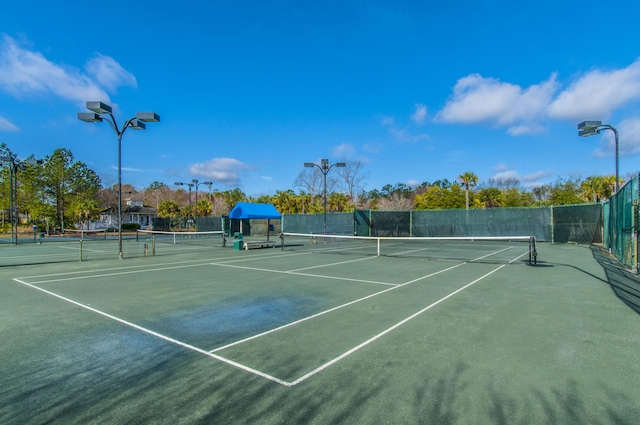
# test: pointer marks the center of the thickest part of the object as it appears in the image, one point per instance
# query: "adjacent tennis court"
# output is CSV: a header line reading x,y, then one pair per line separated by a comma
x,y
330,333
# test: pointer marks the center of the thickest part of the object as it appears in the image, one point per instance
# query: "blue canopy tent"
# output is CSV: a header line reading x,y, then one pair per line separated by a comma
x,y
249,210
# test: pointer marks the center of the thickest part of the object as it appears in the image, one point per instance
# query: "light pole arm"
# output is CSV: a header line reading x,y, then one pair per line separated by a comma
x,y
615,132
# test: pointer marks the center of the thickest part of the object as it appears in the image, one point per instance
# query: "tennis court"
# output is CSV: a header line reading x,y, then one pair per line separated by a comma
x,y
271,336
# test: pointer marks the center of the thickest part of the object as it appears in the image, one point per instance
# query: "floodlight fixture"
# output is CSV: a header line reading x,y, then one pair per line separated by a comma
x,y
14,165
591,128
587,133
137,125
148,117
102,112
589,125
99,107
324,167
89,117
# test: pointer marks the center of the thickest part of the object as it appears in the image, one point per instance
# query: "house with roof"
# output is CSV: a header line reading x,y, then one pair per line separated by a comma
x,y
133,211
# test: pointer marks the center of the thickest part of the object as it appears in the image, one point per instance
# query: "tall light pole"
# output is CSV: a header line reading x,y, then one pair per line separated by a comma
x,y
591,128
196,184
324,168
190,186
102,112
15,165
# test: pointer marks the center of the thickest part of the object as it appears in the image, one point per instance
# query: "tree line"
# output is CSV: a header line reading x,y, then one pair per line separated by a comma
x,y
62,192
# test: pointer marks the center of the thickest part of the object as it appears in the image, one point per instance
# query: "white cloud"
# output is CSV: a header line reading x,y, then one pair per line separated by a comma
x,y
535,177
343,151
6,125
405,135
373,148
25,72
506,175
223,170
386,121
597,94
500,167
526,110
420,114
519,130
478,99
108,73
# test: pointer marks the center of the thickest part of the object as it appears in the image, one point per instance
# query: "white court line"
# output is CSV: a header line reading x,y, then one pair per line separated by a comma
x,y
158,335
119,273
78,249
397,325
386,331
303,274
351,351
333,264
255,371
181,264
304,319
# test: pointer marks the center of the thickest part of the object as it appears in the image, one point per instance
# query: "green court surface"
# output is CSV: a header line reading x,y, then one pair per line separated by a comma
x,y
219,336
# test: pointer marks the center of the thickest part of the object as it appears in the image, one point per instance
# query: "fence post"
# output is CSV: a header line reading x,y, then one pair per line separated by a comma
x,y
551,219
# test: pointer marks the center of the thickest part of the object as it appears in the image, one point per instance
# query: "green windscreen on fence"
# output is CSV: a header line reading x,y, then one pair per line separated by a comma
x,y
572,223
581,224
337,223
621,223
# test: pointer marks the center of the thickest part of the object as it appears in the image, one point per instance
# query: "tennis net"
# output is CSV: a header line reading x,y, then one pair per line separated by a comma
x,y
210,238
86,234
501,249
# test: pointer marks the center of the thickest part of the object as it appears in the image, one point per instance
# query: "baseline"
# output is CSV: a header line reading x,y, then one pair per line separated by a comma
x,y
159,335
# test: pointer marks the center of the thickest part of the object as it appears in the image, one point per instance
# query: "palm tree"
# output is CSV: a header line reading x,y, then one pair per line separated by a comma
x,y
468,180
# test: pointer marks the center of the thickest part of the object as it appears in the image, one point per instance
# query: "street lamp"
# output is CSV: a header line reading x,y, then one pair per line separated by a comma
x,y
15,165
190,186
196,184
591,128
324,168
102,112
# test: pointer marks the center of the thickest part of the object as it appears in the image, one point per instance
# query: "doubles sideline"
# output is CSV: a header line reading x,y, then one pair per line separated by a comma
x,y
253,370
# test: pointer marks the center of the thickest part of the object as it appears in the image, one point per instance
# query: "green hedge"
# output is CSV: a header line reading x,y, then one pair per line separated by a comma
x,y
130,227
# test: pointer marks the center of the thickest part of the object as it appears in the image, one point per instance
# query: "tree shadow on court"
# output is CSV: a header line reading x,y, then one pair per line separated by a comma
x,y
436,402
565,404
457,397
623,283
172,386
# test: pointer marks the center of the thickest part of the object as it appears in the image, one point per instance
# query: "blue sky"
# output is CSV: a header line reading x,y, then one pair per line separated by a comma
x,y
248,91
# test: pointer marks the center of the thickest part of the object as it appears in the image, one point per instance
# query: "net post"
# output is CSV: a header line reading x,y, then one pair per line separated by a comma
x,y
533,253
378,240
281,241
80,250
153,246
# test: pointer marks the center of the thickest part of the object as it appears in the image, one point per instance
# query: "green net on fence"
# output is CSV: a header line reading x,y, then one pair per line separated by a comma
x,y
208,224
337,223
573,223
483,222
443,223
581,224
621,223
